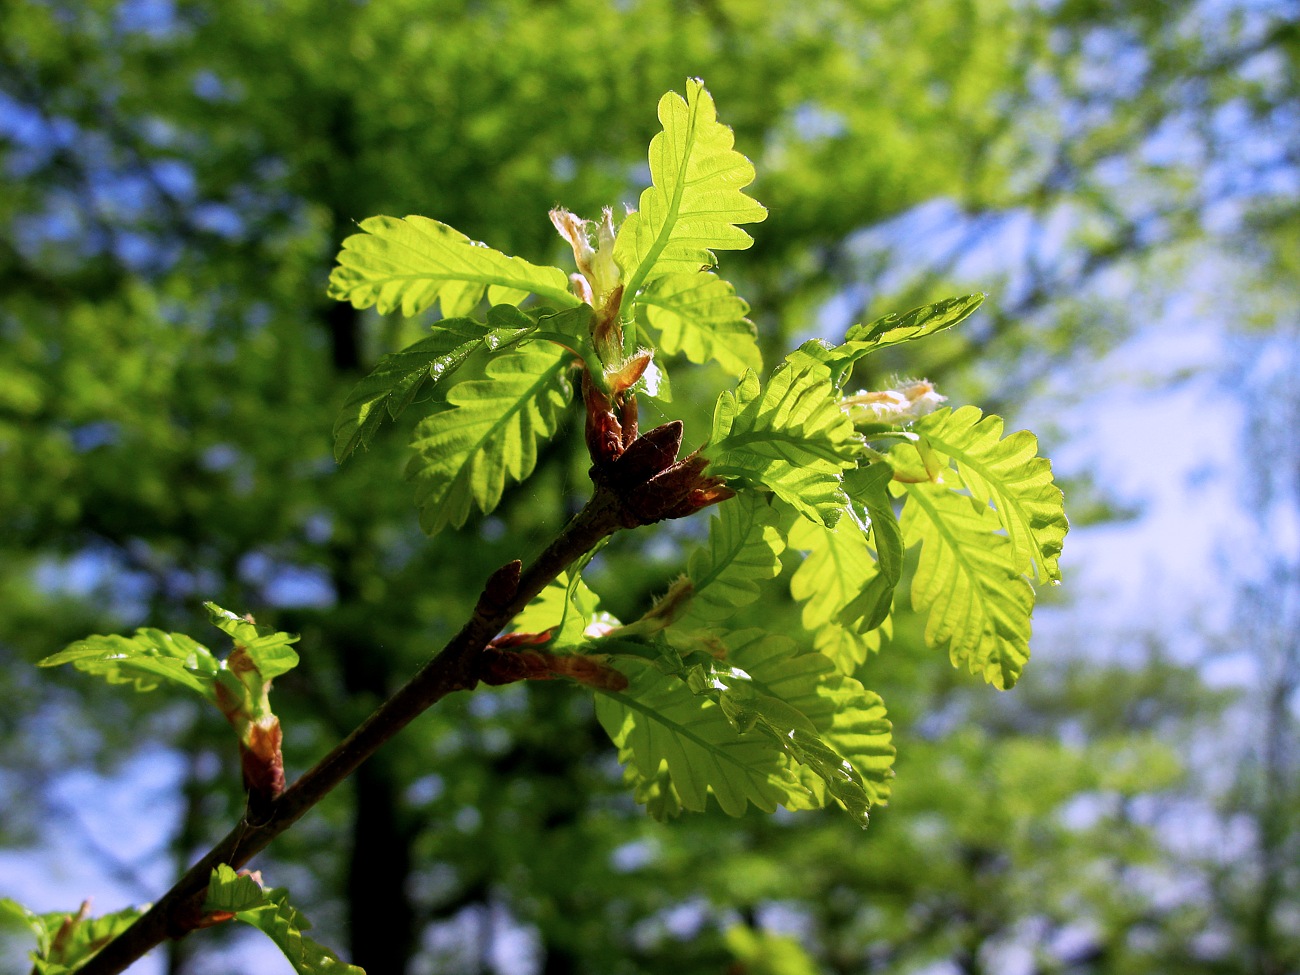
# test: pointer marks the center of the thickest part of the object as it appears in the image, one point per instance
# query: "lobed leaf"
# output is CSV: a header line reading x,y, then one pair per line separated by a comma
x,y
145,660
744,550
679,747
1008,474
267,648
845,749
790,437
398,378
269,911
64,941
487,431
837,570
868,487
701,316
968,581
407,264
895,329
695,200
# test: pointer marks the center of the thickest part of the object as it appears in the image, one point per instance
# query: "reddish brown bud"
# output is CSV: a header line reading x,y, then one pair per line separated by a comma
x,y
604,432
647,456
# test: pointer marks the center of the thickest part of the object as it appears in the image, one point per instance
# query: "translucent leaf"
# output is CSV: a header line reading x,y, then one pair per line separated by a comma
x,y
895,329
969,583
566,606
65,941
267,648
868,487
744,550
695,200
269,911
145,660
398,378
1009,474
408,264
846,750
837,570
487,431
672,739
846,646
791,437
701,316
827,731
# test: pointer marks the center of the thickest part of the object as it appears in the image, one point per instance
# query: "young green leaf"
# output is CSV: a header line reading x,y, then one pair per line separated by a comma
x,y
268,649
791,437
65,942
408,264
968,581
1009,474
661,727
398,378
868,487
695,200
893,329
146,659
744,550
844,750
487,431
269,911
566,606
701,316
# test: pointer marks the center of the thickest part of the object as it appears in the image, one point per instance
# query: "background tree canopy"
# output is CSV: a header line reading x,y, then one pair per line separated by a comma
x,y
175,179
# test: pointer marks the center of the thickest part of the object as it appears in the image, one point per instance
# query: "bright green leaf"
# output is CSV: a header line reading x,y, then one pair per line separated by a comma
x,y
701,316
398,378
695,200
848,722
488,431
566,606
1009,474
269,911
868,487
145,660
790,437
65,941
267,648
660,726
410,263
968,581
744,550
897,328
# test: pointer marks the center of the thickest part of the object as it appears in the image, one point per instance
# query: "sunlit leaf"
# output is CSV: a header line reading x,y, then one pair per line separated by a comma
x,y
268,910
968,582
895,329
1009,474
701,316
398,378
743,551
145,660
868,487
695,200
66,941
790,437
848,723
408,264
487,433
661,727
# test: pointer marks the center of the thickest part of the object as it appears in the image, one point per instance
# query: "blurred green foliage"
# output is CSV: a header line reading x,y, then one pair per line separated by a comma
x,y
175,179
